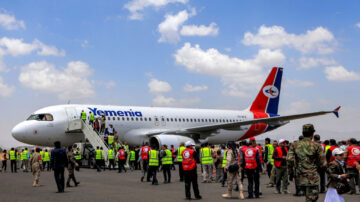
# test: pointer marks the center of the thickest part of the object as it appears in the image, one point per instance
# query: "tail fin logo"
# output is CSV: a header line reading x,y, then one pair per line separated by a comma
x,y
271,91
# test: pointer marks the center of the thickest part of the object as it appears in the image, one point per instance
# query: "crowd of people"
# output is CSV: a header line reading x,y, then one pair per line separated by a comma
x,y
306,162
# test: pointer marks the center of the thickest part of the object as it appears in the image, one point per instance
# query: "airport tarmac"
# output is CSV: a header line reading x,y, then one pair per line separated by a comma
x,y
113,186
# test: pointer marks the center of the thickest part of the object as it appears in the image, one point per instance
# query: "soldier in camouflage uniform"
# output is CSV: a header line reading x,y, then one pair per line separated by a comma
x,y
307,157
71,167
36,162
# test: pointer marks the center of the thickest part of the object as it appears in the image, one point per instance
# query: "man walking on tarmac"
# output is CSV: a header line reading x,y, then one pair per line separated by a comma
x,y
307,156
121,155
13,157
206,162
58,163
250,161
189,161
71,167
144,157
166,162
154,164
281,171
35,162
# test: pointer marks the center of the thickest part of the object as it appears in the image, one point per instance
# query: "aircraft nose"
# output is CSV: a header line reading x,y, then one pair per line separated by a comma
x,y
19,132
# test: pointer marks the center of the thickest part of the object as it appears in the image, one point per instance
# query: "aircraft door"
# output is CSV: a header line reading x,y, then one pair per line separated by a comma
x,y
71,113
156,120
163,122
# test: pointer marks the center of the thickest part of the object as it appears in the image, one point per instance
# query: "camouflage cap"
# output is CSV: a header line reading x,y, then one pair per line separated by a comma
x,y
308,128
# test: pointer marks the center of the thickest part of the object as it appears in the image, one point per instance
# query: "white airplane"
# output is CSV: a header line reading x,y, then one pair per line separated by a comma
x,y
170,126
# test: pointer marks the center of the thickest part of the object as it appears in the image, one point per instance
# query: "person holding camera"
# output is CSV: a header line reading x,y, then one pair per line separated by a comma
x,y
232,169
338,179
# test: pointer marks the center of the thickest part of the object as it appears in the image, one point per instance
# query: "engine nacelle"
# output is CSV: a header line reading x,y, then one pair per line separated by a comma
x,y
168,140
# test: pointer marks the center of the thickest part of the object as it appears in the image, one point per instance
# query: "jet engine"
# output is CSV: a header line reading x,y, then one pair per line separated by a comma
x,y
158,140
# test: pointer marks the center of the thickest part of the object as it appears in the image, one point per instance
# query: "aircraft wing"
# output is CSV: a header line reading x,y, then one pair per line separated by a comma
x,y
234,125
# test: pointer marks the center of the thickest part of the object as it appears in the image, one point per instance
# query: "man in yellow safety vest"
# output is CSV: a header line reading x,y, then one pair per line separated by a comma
x,y
179,151
166,161
206,161
154,163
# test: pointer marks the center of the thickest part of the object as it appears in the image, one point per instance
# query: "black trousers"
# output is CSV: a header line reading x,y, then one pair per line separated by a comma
x,y
322,172
4,165
167,172
268,169
145,168
153,171
111,163
191,178
13,166
80,164
46,163
181,172
59,178
121,165
223,180
253,177
98,165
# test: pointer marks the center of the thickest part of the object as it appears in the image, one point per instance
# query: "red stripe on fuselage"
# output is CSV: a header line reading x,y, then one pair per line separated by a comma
x,y
256,129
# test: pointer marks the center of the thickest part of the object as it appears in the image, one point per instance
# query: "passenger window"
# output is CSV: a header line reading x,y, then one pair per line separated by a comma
x,y
202,120
167,119
145,119
123,118
194,120
149,119
141,119
171,119
128,118
109,118
187,120
162,119
183,120
132,118
156,119
136,119
179,120
175,119
113,118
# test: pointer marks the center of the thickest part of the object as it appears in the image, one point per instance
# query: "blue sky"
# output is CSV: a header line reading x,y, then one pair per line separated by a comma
x,y
140,52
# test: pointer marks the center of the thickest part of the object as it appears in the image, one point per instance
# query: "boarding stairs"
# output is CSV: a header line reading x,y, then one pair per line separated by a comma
x,y
90,134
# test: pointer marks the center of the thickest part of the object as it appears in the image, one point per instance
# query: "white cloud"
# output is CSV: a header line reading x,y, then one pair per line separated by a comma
x,y
162,101
191,88
71,83
339,73
202,30
135,6
236,74
299,83
357,25
169,28
5,90
297,107
318,40
156,86
17,47
85,43
110,84
310,62
9,22
48,50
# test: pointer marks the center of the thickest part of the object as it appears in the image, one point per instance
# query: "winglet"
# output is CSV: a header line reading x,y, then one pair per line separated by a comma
x,y
336,111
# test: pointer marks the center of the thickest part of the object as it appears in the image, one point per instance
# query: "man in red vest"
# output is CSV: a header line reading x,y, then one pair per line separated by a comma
x,y
144,156
352,156
250,161
121,156
190,158
281,171
329,157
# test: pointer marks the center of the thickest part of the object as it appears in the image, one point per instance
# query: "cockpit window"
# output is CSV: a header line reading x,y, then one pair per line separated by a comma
x,y
41,117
